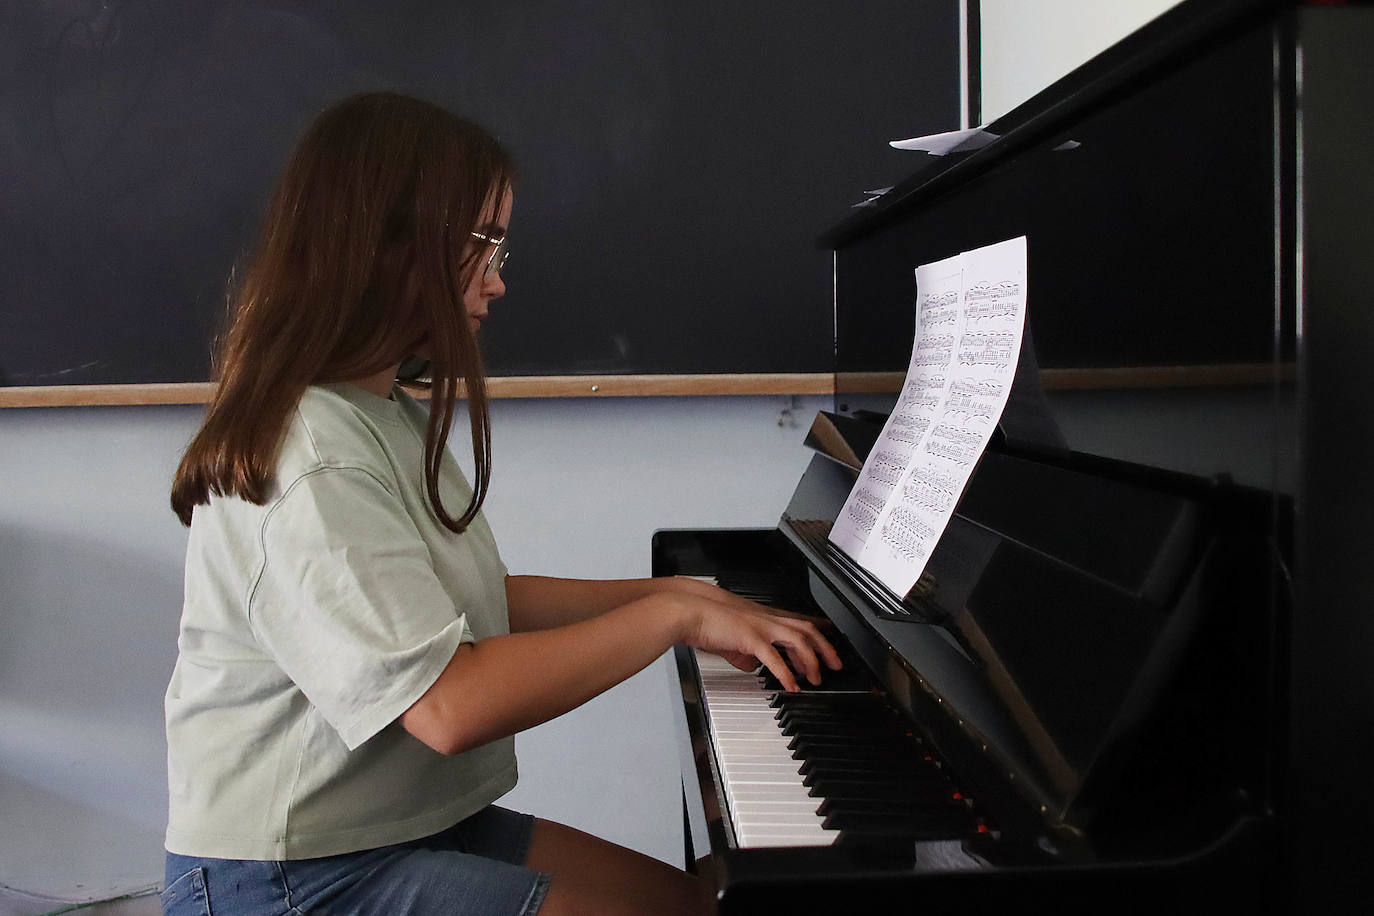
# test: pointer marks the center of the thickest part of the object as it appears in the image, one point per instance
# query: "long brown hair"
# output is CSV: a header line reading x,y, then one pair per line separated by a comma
x,y
363,258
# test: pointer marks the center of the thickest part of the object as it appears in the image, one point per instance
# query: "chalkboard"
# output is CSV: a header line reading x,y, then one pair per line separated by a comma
x,y
677,161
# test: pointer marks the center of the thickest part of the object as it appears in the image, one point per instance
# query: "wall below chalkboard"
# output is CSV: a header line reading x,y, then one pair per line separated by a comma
x,y
676,164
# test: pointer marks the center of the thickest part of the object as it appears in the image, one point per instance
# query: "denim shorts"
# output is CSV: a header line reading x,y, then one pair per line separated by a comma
x,y
476,866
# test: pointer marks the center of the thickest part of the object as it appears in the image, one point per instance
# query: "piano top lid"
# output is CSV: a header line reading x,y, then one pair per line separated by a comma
x,y
1162,43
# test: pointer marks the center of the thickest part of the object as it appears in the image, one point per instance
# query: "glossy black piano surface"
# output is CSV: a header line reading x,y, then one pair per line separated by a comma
x,y
1136,671
1064,703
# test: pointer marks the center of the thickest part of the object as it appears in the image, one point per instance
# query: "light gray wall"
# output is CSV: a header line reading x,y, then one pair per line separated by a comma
x,y
1025,46
90,583
89,599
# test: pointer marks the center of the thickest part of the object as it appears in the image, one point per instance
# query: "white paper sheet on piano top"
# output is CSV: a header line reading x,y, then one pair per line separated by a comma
x,y
970,315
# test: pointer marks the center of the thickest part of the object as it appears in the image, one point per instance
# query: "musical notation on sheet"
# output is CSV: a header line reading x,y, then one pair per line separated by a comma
x,y
970,316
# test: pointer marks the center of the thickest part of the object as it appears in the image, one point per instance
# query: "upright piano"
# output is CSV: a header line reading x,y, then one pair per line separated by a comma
x,y
1135,675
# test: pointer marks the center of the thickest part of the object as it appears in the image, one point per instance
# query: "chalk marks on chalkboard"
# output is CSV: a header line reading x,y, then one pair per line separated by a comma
x,y
48,378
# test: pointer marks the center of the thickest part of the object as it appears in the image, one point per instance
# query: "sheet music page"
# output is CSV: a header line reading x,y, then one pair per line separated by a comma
x,y
970,316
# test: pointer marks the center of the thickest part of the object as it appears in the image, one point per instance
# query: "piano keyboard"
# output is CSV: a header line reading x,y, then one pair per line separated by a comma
x,y
769,805
821,767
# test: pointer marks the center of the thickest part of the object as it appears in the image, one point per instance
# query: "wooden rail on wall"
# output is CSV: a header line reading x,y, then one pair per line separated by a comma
x,y
549,386
635,386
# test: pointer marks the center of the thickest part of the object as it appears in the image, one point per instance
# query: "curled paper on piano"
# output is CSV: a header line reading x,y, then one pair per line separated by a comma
x,y
950,141
970,317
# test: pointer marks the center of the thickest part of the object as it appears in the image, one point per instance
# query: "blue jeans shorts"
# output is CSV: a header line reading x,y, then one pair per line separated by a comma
x,y
476,866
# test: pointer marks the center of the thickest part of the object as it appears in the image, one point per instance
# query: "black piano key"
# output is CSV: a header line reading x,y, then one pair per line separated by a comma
x,y
807,746
943,817
813,769
918,826
858,724
842,818
834,728
868,769
836,701
868,772
820,776
898,804
850,713
904,832
869,711
820,764
877,790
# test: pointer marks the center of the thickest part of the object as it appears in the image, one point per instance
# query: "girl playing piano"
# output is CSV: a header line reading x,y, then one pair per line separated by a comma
x,y
354,658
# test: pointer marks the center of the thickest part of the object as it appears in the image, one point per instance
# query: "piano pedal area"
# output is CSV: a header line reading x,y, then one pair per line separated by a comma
x,y
834,765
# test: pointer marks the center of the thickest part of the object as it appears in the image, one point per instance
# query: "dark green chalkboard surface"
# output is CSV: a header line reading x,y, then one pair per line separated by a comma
x,y
677,162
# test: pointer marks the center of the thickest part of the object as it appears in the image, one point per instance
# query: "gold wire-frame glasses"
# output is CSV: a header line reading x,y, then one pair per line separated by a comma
x,y
499,255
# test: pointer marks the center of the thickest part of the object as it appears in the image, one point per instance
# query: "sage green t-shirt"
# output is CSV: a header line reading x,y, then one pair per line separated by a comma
x,y
310,624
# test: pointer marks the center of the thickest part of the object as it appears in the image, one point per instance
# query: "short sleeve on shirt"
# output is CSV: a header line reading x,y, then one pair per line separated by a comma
x,y
348,604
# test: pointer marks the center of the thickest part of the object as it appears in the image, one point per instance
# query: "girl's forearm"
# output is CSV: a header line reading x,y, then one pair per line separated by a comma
x,y
506,684
544,602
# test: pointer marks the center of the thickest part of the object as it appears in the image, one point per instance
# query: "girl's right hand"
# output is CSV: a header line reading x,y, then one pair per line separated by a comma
x,y
747,638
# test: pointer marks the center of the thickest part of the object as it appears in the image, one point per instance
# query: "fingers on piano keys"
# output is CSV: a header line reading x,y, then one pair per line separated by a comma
x,y
825,766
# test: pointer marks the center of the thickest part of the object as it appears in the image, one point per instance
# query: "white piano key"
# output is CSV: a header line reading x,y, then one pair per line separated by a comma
x,y
763,791
770,771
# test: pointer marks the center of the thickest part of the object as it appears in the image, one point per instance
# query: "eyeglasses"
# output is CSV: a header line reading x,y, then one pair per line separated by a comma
x,y
499,255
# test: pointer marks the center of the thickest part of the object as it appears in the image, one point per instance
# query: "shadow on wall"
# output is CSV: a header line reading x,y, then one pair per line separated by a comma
x,y
89,641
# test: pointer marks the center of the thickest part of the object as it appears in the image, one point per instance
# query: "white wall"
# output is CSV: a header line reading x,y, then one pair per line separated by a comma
x,y
1027,44
90,583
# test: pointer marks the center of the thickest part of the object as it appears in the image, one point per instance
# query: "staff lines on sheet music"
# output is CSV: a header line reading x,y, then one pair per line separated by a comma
x,y
954,443
909,429
865,507
913,401
870,499
973,400
986,300
937,316
938,342
921,391
888,467
934,351
937,358
992,348
931,489
908,533
944,299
